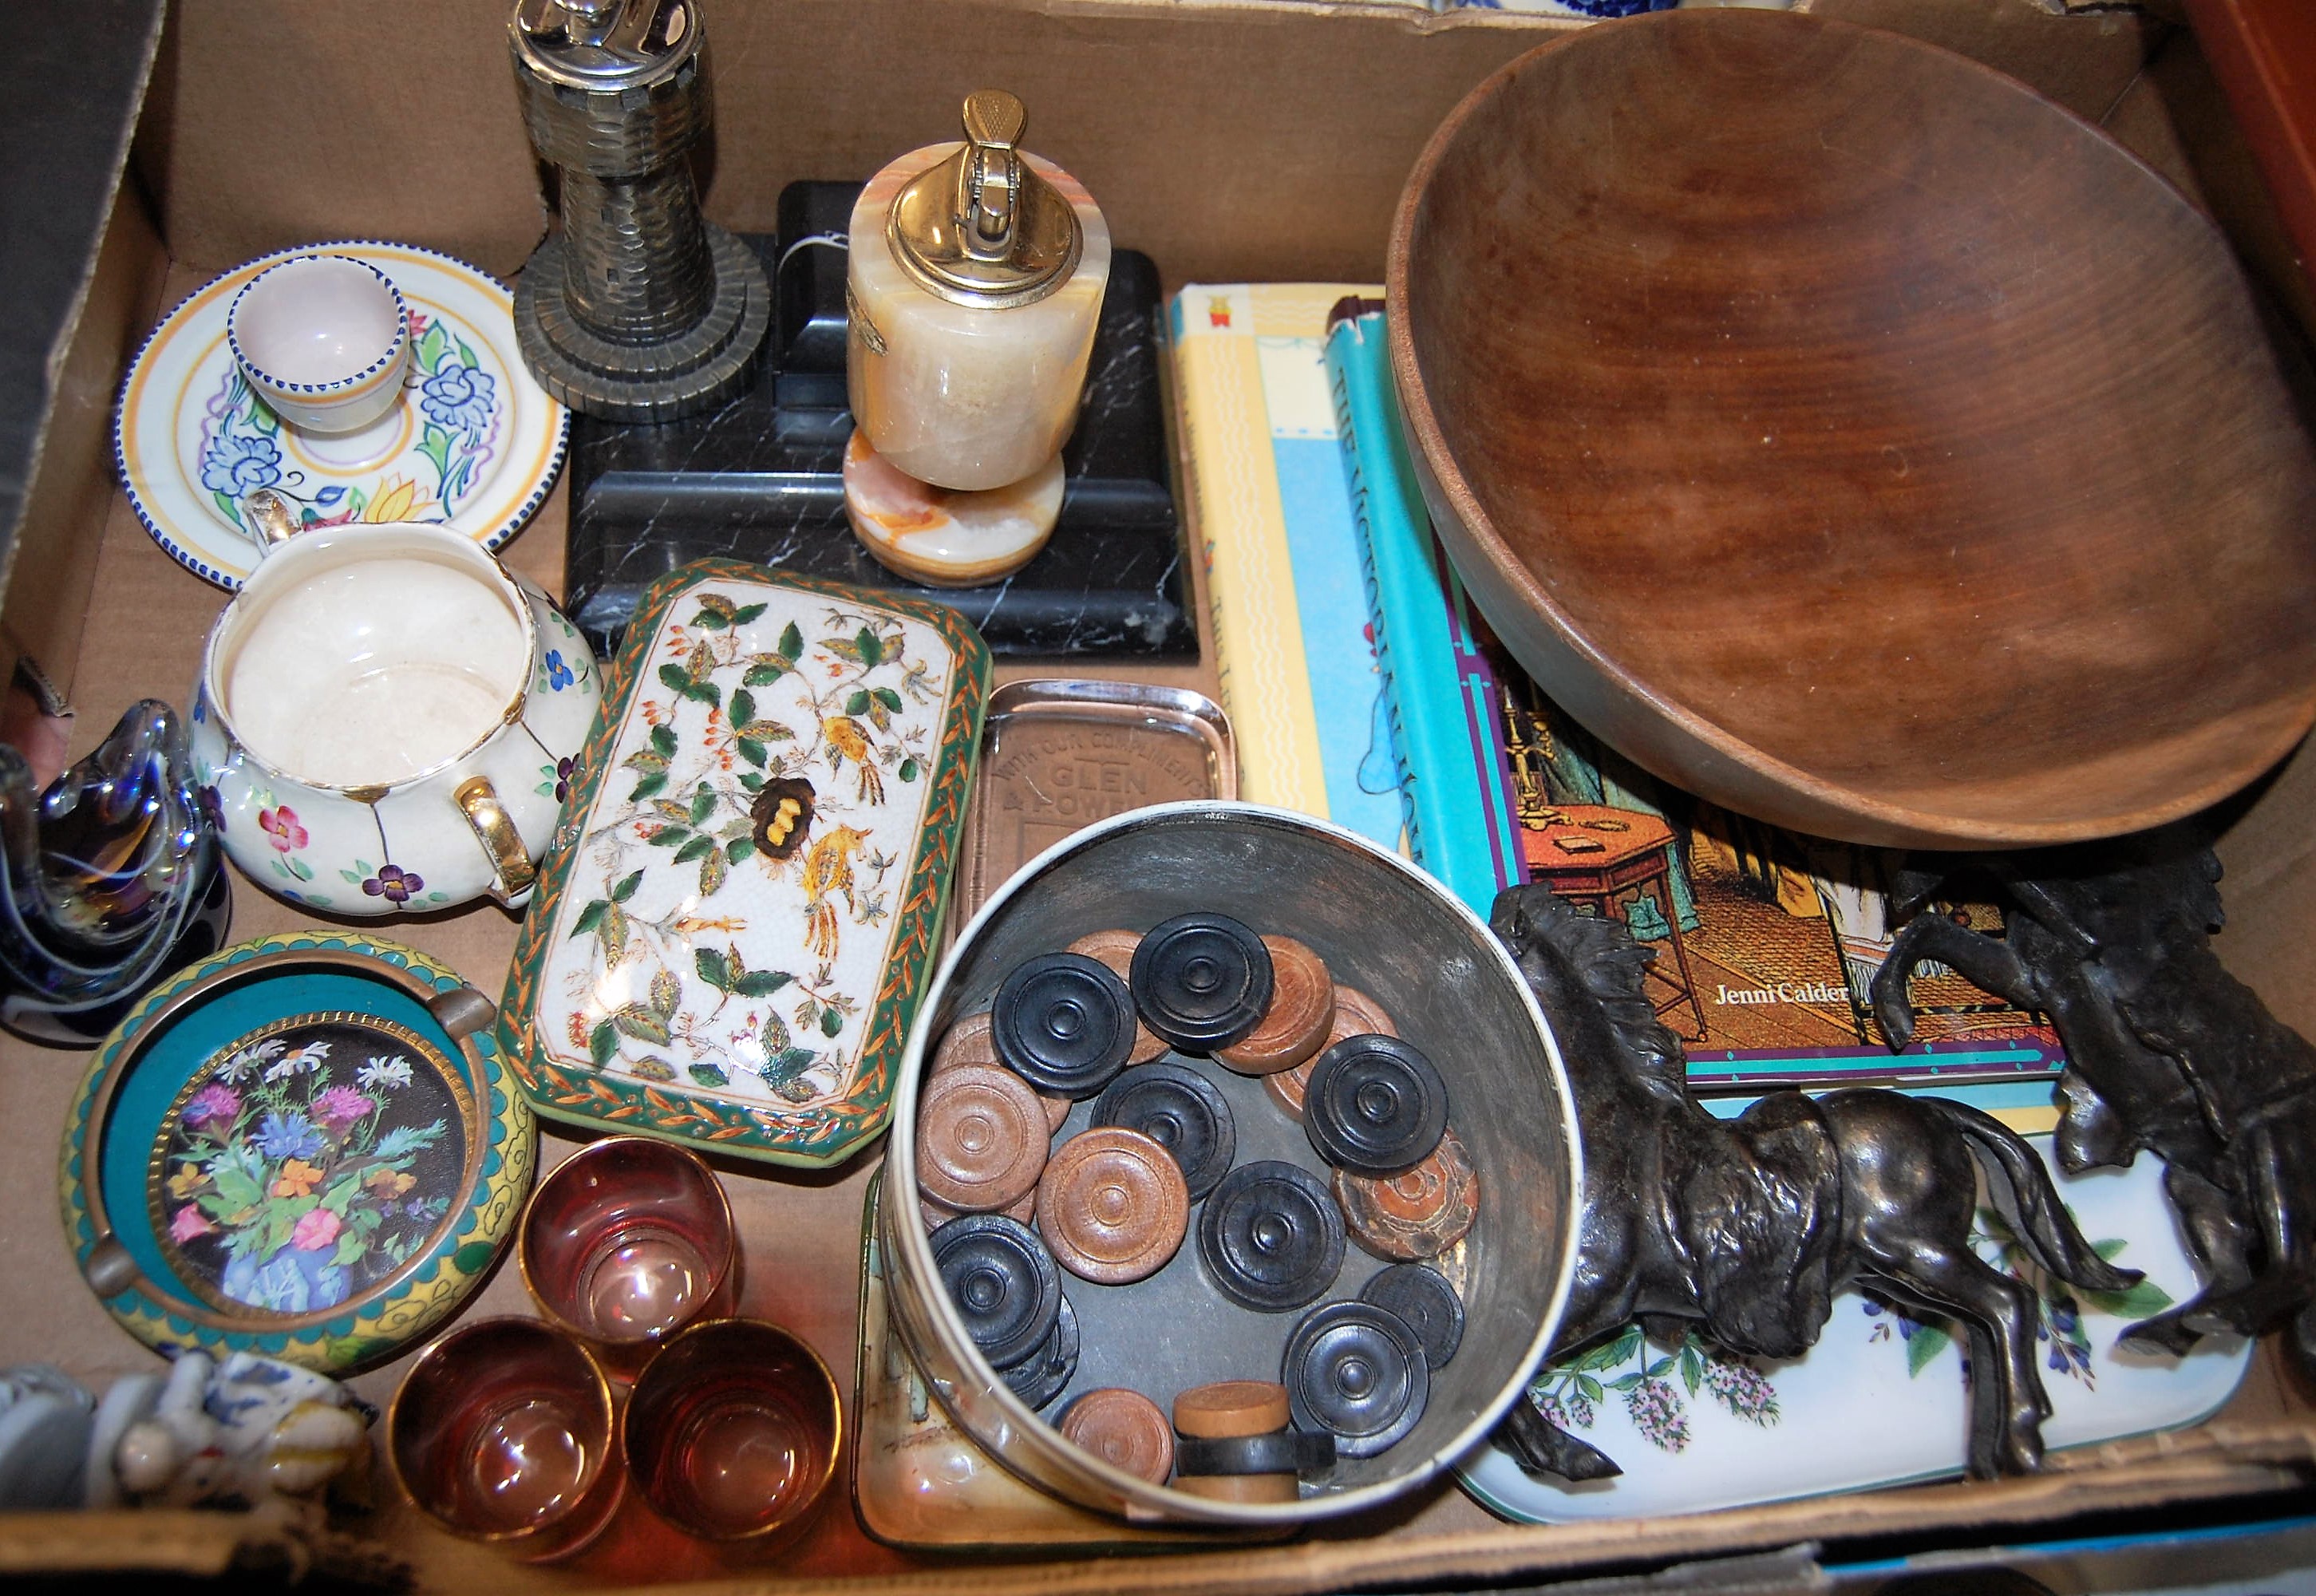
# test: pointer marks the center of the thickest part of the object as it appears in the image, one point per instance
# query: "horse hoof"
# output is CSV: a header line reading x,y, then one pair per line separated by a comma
x,y
2165,1334
2016,1450
1544,1450
1590,1463
1897,1026
2212,1323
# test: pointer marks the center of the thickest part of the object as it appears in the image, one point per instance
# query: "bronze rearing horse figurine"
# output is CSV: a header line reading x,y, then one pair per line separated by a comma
x,y
1751,1226
2166,1051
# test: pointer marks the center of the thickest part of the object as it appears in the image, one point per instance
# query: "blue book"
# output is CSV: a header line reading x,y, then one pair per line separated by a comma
x,y
1441,691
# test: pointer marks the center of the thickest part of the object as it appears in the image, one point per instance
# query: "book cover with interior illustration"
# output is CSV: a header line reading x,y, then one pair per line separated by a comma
x,y
1766,941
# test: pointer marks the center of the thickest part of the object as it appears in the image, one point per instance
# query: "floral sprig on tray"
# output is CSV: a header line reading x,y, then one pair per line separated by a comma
x,y
2059,1308
1570,1389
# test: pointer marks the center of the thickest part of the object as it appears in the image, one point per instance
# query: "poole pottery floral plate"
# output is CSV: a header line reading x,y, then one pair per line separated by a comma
x,y
305,1146
474,440
1880,1400
731,934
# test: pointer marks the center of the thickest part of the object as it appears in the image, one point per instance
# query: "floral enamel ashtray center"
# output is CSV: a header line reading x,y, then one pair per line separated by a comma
x,y
305,1147
309,1161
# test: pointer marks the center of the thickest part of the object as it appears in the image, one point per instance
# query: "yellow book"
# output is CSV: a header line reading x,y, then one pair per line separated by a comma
x,y
1274,519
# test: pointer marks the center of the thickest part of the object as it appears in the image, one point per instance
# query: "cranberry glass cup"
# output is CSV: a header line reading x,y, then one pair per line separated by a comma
x,y
626,1242
503,1431
732,1431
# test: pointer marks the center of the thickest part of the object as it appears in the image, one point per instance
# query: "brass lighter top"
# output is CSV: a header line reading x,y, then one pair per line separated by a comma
x,y
982,229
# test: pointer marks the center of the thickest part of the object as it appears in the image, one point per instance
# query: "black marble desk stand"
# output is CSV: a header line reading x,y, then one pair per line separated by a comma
x,y
760,478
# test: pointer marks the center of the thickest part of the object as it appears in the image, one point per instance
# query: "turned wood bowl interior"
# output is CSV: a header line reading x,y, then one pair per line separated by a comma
x,y
1854,437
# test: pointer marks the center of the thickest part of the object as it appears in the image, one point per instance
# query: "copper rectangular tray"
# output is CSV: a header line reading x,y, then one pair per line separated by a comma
x,y
1057,755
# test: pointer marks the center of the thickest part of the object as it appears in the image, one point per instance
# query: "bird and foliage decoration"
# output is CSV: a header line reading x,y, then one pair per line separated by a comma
x,y
774,785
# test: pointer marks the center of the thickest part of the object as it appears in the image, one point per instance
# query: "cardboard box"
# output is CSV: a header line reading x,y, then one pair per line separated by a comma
x,y
1233,140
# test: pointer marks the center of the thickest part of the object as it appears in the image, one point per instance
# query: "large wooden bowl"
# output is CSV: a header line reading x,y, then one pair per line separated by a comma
x,y
1852,437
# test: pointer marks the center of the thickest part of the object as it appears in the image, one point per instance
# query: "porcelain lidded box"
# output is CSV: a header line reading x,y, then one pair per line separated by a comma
x,y
740,911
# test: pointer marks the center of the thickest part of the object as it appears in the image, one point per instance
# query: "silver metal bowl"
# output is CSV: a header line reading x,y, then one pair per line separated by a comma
x,y
1381,926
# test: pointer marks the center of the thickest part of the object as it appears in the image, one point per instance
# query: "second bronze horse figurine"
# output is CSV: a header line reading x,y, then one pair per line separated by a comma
x,y
2165,1050
1751,1226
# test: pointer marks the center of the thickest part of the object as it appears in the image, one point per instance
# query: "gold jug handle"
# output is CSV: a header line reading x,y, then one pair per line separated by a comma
x,y
479,801
269,518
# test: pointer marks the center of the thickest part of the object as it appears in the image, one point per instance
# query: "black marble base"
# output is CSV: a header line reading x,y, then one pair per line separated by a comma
x,y
760,479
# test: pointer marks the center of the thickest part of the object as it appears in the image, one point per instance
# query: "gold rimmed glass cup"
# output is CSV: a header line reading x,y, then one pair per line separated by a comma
x,y
733,1431
626,1242
503,1431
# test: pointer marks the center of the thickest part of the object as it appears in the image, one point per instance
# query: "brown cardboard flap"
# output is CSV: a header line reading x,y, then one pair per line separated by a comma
x,y
52,571
1233,141
2216,1460
2269,853
184,1543
279,123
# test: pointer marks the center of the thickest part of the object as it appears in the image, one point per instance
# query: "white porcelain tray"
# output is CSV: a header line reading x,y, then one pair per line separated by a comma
x,y
1880,1400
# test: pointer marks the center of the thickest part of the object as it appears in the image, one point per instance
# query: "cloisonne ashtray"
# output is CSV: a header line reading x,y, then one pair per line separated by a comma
x,y
739,915
305,1145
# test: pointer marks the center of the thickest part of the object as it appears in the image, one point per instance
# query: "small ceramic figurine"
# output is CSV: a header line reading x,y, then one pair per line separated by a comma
x,y
2166,1051
240,1433
44,1426
1751,1226
112,880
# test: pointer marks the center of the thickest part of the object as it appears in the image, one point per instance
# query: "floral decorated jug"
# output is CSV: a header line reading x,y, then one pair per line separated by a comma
x,y
387,720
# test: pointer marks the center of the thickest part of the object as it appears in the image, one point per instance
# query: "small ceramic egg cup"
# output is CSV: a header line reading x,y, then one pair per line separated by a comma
x,y
322,339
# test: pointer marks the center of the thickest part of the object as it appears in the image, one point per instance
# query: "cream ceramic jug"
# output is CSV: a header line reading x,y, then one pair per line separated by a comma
x,y
387,720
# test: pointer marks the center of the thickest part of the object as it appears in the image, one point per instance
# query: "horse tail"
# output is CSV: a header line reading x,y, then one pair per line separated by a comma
x,y
1543,1449
2047,1228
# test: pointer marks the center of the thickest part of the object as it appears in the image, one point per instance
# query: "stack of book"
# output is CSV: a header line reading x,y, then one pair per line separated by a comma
x,y
1340,616
1365,687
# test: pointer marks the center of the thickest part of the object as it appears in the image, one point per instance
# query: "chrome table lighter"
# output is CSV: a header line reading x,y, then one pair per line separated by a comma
x,y
639,309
